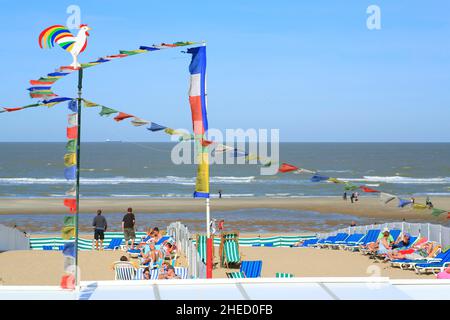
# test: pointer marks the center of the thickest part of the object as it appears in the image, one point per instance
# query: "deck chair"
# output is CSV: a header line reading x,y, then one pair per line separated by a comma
x,y
351,240
124,271
251,269
434,265
182,272
435,255
308,243
235,275
337,238
284,275
229,249
372,236
201,246
114,244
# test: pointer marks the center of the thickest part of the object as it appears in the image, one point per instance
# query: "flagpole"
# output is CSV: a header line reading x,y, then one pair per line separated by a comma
x,y
80,88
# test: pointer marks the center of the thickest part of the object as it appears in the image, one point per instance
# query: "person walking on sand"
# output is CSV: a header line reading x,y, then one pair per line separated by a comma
x,y
352,197
356,196
128,223
220,194
344,197
100,225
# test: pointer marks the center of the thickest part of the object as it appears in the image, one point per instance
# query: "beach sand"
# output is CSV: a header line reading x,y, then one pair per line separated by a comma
x,y
366,207
46,268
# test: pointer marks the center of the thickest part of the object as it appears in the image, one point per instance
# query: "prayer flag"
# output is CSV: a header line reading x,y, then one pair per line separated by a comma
x,y
71,146
286,167
67,233
72,132
156,127
70,159
70,173
107,111
137,122
73,105
69,221
71,204
122,116
367,189
437,212
72,119
318,178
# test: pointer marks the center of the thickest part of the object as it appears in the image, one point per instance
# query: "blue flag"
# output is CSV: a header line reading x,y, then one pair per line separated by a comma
x,y
73,105
156,127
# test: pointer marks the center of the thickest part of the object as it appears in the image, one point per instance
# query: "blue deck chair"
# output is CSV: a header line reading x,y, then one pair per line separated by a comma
x,y
434,264
411,263
338,238
352,239
114,244
251,269
371,236
320,242
308,243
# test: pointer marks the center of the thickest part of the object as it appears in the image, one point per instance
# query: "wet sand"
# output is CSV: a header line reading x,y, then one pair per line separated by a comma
x,y
366,207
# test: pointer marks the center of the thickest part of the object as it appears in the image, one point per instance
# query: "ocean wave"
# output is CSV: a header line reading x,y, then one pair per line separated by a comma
x,y
188,181
400,180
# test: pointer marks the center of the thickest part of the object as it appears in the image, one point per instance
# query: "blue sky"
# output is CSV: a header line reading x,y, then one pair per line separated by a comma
x,y
309,68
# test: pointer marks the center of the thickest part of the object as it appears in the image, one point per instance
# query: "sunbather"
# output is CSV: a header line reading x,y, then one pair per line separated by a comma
x,y
418,252
168,272
146,274
383,243
402,242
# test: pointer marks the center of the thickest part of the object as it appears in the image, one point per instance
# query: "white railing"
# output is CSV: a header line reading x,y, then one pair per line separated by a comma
x,y
184,241
434,232
13,239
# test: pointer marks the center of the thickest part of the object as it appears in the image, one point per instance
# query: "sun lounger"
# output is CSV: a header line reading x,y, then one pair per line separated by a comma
x,y
434,265
230,253
284,275
235,275
251,269
351,240
338,238
435,255
372,236
114,244
124,271
320,242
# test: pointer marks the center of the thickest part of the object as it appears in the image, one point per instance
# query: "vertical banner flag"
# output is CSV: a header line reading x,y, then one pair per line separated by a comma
x,y
197,100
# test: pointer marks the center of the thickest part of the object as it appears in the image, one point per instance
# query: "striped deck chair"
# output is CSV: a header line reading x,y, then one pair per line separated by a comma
x,y
154,273
284,275
182,272
235,275
230,253
201,246
124,271
251,269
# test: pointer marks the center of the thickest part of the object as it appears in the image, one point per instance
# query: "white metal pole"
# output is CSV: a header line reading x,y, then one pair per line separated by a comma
x,y
208,219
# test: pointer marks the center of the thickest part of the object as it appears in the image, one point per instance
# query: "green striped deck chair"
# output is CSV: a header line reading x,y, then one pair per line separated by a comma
x,y
230,253
284,275
201,247
235,275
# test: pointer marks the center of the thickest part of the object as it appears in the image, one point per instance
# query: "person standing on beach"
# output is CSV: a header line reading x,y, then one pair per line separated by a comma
x,y
128,223
352,197
220,194
100,225
344,197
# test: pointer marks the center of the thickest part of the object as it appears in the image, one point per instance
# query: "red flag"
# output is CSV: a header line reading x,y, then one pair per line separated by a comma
x,y
286,167
122,116
72,133
68,281
12,109
366,189
41,83
71,204
206,143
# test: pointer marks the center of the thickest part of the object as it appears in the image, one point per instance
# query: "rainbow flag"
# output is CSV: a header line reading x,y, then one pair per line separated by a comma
x,y
197,100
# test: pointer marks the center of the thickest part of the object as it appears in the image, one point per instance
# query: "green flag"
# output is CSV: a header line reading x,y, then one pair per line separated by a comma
x,y
437,212
107,111
69,221
71,146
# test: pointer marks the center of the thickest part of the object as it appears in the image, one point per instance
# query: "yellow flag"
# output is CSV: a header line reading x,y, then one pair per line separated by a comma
x,y
419,206
70,159
67,233
90,104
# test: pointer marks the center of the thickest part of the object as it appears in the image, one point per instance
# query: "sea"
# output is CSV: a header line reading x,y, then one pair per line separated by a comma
x,y
145,170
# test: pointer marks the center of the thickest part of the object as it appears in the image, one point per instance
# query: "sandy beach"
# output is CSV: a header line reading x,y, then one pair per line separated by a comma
x,y
366,207
45,268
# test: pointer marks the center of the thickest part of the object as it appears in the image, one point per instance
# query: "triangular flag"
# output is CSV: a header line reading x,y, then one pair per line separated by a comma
x,y
122,116
137,122
419,206
437,212
286,167
156,127
367,189
318,178
90,104
402,202
107,111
